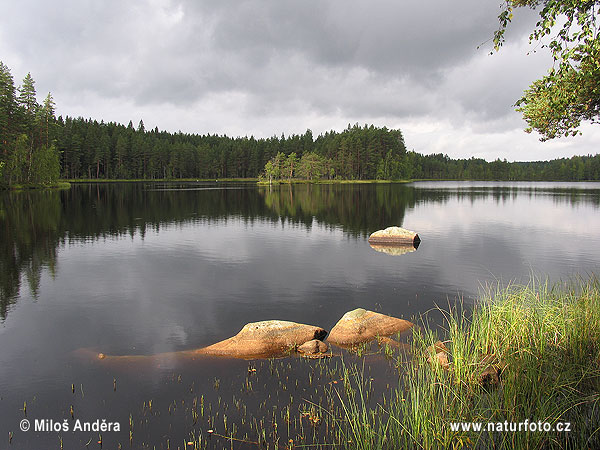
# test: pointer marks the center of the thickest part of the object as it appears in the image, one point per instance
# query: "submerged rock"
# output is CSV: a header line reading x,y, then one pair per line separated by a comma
x,y
384,341
394,236
265,339
438,353
313,349
360,326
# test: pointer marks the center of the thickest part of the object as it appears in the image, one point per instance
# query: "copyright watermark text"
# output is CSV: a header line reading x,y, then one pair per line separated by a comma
x,y
504,427
49,425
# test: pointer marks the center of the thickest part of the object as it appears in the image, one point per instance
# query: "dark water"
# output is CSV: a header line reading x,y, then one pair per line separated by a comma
x,y
147,268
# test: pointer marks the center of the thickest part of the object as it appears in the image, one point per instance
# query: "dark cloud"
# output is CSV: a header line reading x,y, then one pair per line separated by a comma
x,y
256,64
178,51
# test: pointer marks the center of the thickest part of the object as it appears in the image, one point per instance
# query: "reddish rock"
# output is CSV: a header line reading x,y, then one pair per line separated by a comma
x,y
265,339
360,326
438,353
268,339
314,348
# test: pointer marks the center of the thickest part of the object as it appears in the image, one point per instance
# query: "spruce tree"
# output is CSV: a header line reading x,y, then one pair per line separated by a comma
x,y
8,108
27,96
47,116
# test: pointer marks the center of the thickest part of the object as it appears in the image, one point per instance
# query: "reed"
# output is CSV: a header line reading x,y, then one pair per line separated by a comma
x,y
523,353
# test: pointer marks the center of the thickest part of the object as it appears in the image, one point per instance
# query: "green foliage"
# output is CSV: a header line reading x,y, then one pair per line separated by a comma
x,y
27,96
8,107
557,104
391,168
270,171
18,161
312,166
290,165
45,167
544,343
27,132
87,149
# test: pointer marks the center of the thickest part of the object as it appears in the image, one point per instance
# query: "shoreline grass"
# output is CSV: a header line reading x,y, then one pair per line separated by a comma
x,y
247,180
157,180
299,181
542,342
260,182
24,187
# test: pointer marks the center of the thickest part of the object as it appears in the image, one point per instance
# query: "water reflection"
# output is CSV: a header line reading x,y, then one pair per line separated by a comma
x,y
30,224
395,250
36,224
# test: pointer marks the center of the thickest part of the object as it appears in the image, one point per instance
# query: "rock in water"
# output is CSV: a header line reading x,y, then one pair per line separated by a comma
x,y
360,325
269,338
394,236
313,347
441,354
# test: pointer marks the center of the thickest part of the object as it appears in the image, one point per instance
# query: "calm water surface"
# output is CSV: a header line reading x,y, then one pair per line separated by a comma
x,y
147,268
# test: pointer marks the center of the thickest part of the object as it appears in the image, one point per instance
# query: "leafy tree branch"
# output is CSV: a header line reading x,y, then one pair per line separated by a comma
x,y
556,104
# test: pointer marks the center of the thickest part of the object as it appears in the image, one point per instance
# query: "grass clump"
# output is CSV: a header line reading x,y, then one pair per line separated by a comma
x,y
524,355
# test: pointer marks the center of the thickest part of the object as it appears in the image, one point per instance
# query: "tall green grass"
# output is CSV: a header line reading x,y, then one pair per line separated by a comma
x,y
543,343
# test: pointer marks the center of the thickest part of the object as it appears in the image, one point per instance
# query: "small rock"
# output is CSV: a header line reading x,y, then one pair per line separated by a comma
x,y
441,354
438,347
490,376
313,347
382,340
442,358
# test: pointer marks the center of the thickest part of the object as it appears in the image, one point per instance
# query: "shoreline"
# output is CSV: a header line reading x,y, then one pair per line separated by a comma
x,y
59,185
523,354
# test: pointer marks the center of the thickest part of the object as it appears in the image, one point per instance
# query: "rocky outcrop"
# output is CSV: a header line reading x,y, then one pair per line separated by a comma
x,y
265,339
392,236
360,326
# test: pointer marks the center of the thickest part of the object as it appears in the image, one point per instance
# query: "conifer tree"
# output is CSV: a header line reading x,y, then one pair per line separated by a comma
x,y
27,96
8,109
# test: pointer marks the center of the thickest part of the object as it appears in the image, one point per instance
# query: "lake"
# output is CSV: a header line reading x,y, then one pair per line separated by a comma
x,y
145,268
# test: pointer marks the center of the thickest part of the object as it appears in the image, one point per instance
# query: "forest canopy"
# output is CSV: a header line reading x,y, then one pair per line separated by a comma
x,y
27,134
38,148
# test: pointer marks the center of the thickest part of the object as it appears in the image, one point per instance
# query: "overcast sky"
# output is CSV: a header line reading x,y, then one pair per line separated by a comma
x,y
266,67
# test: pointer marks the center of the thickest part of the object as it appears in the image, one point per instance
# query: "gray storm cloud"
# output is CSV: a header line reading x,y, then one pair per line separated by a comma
x,y
249,66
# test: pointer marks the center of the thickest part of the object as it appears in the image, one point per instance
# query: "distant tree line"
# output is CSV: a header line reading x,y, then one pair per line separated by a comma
x,y
38,148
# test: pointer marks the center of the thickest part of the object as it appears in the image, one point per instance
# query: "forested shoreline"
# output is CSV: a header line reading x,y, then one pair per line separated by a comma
x,y
39,148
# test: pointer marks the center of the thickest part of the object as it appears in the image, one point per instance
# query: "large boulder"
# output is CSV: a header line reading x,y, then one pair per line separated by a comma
x,y
270,338
394,236
267,339
360,326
